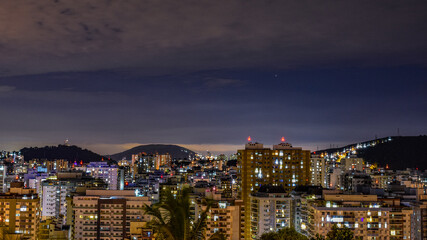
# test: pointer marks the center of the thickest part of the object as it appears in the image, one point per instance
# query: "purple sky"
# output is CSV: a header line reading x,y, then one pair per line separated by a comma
x,y
109,75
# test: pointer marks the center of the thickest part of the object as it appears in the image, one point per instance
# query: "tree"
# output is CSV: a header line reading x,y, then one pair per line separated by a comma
x,y
171,219
283,234
337,234
340,233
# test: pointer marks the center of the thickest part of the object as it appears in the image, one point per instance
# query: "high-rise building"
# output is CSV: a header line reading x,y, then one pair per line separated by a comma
x,y
419,218
271,210
318,171
257,166
54,198
142,163
162,160
226,186
105,172
3,171
107,214
20,212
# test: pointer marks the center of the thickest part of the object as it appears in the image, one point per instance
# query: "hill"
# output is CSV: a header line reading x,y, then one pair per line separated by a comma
x,y
70,153
175,151
400,153
397,152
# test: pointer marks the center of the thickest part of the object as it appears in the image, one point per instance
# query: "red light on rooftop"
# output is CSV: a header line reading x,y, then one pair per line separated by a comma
x,y
249,138
283,139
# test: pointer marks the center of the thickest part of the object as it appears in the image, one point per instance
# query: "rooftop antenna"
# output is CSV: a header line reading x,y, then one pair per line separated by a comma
x,y
398,132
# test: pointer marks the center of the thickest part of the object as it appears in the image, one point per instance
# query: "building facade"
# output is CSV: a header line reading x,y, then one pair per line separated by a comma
x,y
224,217
367,216
20,212
105,172
271,210
107,214
283,165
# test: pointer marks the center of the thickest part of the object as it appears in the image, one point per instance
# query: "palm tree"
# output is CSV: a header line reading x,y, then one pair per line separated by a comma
x,y
171,218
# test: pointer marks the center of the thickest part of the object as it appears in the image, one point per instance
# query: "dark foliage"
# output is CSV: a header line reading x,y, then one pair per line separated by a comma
x,y
283,234
401,153
232,163
70,153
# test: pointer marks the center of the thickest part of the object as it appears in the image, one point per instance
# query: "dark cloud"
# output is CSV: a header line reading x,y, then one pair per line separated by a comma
x,y
6,88
48,36
310,107
118,73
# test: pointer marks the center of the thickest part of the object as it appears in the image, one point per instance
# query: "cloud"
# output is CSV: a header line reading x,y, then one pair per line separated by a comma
x,y
222,82
7,88
165,36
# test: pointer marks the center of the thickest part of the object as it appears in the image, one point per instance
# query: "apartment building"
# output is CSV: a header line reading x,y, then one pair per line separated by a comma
x,y
271,210
318,171
20,212
257,166
366,215
107,214
225,217
102,170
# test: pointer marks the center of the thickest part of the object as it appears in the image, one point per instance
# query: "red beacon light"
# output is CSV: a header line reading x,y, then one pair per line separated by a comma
x,y
249,139
283,139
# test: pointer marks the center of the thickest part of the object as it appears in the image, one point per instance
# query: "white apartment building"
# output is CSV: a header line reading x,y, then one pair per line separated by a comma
x,y
3,171
54,195
105,172
318,171
271,210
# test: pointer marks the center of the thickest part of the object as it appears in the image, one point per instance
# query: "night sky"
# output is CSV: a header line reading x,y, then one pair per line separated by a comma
x,y
109,75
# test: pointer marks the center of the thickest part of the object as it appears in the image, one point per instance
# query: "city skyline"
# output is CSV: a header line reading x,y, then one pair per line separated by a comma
x,y
112,75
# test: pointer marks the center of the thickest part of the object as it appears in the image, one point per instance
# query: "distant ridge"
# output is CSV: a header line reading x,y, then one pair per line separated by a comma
x,y
176,152
70,153
397,152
